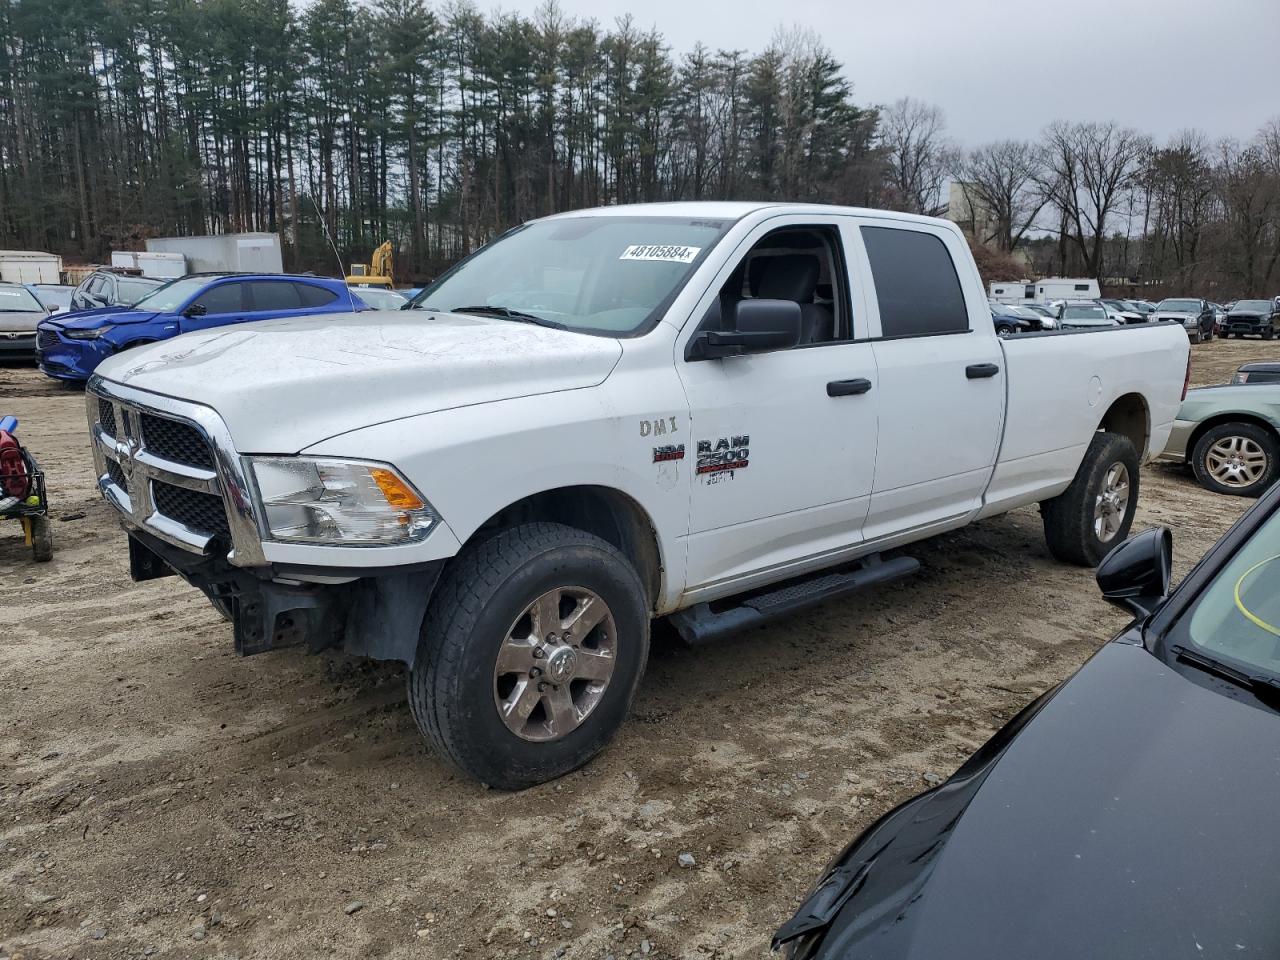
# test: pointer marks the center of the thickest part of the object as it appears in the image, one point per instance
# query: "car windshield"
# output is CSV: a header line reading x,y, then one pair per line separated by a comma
x,y
172,295
607,275
1251,306
381,299
1070,312
131,291
1183,306
1237,618
18,300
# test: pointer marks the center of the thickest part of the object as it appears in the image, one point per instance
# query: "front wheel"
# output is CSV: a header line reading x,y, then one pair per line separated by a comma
x,y
1094,514
1235,458
530,654
41,533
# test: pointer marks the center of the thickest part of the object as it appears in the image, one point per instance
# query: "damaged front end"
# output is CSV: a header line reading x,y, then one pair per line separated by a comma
x,y
375,614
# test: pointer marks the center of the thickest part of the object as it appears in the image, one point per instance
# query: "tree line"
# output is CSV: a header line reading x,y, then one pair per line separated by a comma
x,y
342,123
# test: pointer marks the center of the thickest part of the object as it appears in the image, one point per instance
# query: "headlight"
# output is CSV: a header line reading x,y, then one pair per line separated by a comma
x,y
87,334
346,502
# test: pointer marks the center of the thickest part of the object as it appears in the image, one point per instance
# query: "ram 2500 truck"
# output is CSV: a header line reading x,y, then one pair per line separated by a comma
x,y
717,412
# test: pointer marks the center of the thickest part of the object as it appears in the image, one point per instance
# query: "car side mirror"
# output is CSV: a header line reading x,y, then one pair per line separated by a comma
x,y
50,308
195,310
757,325
1135,574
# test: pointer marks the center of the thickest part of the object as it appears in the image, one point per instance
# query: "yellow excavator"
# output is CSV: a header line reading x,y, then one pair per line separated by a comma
x,y
377,272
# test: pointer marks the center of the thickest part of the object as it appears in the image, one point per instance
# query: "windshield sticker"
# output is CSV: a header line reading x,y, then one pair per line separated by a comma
x,y
662,253
10,293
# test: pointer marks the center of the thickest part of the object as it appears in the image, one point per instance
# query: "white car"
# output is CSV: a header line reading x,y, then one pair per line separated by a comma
x,y
717,412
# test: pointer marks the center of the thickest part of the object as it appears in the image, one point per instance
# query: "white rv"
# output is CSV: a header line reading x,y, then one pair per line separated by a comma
x,y
1044,291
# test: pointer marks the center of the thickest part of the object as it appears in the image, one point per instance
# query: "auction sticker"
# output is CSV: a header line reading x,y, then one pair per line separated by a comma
x,y
667,253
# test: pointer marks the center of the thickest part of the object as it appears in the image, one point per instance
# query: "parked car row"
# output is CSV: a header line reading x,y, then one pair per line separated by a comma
x,y
70,330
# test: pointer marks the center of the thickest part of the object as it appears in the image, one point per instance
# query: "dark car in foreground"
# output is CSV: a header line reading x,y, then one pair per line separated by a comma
x,y
1251,318
1129,812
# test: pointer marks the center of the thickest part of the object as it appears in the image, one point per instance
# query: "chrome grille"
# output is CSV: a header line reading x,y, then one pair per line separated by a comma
x,y
117,476
107,417
202,512
177,441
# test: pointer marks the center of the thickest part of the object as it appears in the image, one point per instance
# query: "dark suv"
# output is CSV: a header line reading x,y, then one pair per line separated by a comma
x,y
103,288
1258,318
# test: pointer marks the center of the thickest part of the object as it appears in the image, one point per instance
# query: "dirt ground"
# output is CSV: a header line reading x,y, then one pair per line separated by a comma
x,y
160,797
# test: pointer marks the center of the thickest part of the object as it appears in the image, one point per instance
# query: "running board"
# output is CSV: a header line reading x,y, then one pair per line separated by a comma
x,y
700,624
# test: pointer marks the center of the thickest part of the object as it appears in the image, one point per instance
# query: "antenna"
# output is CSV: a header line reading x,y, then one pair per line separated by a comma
x,y
324,228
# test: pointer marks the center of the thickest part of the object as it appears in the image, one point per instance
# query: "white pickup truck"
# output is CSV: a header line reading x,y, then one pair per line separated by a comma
x,y
718,412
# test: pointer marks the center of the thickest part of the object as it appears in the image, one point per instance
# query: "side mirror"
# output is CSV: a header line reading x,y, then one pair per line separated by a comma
x,y
50,308
195,310
757,325
1135,575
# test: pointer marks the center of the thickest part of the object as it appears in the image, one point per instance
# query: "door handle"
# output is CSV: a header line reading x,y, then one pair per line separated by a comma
x,y
848,388
978,371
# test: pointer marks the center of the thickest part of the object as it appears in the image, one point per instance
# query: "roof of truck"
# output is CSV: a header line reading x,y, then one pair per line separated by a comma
x,y
731,210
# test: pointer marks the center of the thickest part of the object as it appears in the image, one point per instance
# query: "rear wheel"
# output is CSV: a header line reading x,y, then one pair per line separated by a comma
x,y
1235,458
1094,514
530,654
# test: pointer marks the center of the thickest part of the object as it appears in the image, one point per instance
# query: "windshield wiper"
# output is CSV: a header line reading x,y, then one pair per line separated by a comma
x,y
1261,685
487,310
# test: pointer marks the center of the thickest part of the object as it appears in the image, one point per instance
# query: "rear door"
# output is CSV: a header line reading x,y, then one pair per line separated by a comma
x,y
941,377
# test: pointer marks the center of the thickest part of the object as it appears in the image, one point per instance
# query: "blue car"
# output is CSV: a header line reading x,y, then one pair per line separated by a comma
x,y
72,345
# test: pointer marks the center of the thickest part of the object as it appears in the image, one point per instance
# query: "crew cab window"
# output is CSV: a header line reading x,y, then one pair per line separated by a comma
x,y
916,283
274,295
224,298
803,264
313,296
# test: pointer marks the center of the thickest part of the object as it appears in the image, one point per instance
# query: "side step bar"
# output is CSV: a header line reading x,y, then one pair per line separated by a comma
x,y
700,624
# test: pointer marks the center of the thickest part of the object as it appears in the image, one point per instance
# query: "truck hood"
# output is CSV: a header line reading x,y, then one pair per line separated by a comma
x,y
283,385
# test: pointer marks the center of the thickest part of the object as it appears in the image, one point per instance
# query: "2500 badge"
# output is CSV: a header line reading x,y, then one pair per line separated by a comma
x,y
723,456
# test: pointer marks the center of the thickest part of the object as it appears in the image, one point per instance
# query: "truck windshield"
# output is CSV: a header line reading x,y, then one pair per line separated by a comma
x,y
1251,306
1187,306
605,275
171,296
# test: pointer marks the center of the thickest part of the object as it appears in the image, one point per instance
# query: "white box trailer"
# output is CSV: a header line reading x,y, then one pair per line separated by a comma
x,y
160,266
238,252
1044,291
30,266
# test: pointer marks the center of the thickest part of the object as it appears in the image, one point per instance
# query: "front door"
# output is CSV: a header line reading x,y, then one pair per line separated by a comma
x,y
783,441
222,304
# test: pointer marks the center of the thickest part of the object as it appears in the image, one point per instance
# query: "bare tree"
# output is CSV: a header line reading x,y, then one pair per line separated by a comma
x,y
1250,194
1179,186
1002,179
918,155
1089,170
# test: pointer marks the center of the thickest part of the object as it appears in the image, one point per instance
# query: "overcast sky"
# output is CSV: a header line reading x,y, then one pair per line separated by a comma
x,y
1001,68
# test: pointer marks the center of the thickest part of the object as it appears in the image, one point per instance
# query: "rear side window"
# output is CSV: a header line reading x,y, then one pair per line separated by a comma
x,y
916,283
274,295
224,298
313,296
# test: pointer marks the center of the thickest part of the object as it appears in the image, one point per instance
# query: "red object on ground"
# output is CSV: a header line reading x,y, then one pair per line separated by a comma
x,y
15,480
